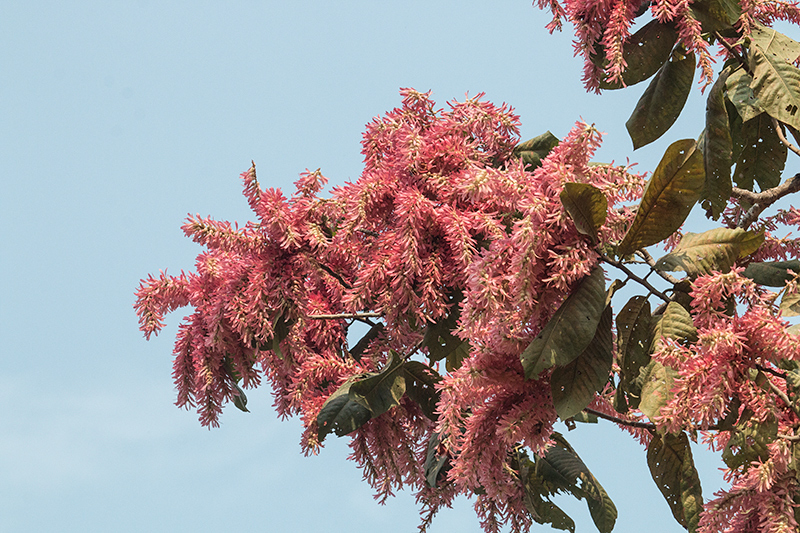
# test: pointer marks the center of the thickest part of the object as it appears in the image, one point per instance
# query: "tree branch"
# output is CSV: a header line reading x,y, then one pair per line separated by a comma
x,y
777,125
644,254
357,316
621,421
763,200
628,272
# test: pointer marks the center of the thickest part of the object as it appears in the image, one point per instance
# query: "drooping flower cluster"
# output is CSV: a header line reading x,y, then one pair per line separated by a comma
x,y
603,27
443,207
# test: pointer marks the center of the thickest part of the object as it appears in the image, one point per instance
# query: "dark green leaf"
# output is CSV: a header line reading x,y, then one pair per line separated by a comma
x,y
633,339
341,414
280,328
776,84
587,205
571,328
749,442
239,399
717,150
534,150
440,340
663,100
716,15
363,344
773,273
603,510
675,323
672,467
645,52
763,155
716,249
421,383
436,464
382,391
668,198
574,385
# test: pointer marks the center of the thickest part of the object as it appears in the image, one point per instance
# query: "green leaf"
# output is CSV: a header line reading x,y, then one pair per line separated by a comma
x,y
741,95
587,205
574,385
717,150
436,466
675,323
440,340
340,413
716,15
790,304
421,383
645,52
382,391
363,344
571,328
657,381
663,100
603,510
773,273
749,442
772,41
240,399
668,197
716,249
534,150
633,339
280,328
672,467
763,155
776,84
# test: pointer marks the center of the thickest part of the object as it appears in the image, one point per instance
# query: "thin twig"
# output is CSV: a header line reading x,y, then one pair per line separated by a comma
x,y
790,438
782,137
782,395
763,200
357,316
733,52
620,265
644,254
621,421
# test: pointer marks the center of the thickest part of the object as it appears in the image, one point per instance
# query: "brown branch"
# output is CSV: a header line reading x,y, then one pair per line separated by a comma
x,y
628,272
733,52
357,316
782,137
790,438
763,200
621,421
644,254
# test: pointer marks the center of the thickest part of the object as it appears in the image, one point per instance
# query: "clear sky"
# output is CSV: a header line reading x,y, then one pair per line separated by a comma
x,y
119,118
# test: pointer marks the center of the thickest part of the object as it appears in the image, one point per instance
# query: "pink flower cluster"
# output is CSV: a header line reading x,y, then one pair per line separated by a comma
x,y
602,28
442,206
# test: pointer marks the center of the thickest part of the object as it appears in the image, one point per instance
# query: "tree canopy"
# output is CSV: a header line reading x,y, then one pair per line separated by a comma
x,y
448,307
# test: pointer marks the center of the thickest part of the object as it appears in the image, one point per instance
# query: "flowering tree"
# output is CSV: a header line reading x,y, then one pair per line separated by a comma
x,y
448,307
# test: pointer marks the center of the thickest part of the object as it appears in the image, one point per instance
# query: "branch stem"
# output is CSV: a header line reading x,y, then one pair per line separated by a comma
x,y
357,316
628,272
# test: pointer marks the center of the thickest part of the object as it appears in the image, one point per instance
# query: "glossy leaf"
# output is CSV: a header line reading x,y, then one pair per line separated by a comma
x,y
574,385
570,329
382,391
421,383
763,155
668,197
776,84
534,150
656,385
645,52
716,249
717,150
341,414
672,467
587,206
240,399
773,273
663,100
741,95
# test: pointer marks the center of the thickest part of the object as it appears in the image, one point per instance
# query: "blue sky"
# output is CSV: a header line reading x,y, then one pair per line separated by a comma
x,y
117,120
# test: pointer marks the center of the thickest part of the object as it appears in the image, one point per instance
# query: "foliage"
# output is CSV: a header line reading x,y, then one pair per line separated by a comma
x,y
473,268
